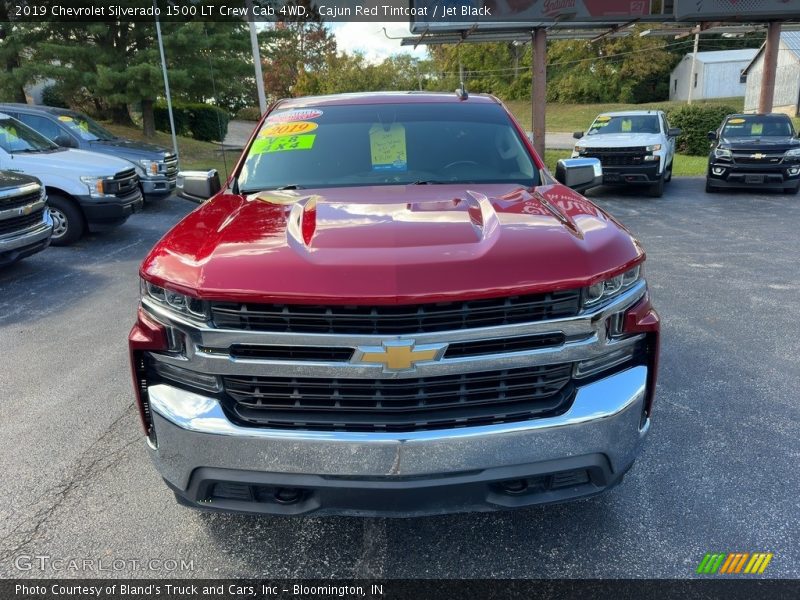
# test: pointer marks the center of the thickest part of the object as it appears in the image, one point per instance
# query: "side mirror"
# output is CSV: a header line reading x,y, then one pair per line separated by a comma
x,y
674,132
64,141
712,135
580,174
197,186
577,135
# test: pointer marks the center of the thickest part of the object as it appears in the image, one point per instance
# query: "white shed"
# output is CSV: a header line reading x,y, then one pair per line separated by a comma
x,y
717,75
787,77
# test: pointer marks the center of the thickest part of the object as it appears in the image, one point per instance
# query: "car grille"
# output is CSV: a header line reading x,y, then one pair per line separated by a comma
x,y
123,184
393,320
766,159
19,201
617,157
441,402
16,224
171,166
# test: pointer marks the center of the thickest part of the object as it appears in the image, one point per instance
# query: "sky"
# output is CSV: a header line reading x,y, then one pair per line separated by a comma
x,y
370,39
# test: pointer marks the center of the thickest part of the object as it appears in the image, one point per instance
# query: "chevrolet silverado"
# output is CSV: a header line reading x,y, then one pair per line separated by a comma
x,y
392,308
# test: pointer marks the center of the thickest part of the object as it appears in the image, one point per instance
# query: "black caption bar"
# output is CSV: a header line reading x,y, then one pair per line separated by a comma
x,y
198,589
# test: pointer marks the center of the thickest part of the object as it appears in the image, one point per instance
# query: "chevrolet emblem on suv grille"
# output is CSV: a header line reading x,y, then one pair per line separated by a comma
x,y
758,156
399,355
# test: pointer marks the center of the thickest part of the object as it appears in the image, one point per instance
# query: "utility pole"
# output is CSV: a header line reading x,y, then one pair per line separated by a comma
x,y
262,97
538,87
693,72
166,83
767,96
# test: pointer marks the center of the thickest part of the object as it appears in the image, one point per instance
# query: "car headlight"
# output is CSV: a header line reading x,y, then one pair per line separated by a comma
x,y
653,148
603,290
96,186
580,149
150,167
174,301
794,152
722,153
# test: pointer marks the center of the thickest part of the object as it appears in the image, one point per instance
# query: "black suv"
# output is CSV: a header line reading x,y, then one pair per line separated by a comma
x,y
756,150
157,167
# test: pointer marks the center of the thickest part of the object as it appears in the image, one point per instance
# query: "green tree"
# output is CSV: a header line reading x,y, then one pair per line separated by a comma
x,y
292,48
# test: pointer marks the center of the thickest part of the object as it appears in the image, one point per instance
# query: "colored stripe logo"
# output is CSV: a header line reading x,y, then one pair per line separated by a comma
x,y
734,563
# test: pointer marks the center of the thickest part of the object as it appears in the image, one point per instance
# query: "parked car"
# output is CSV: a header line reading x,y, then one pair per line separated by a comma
x,y
156,167
756,151
635,147
84,189
25,223
392,307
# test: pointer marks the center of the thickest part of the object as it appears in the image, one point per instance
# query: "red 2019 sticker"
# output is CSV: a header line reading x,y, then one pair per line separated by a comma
x,y
294,115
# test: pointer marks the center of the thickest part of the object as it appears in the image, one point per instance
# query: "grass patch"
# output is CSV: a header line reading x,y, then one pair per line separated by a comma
x,y
684,166
193,153
578,117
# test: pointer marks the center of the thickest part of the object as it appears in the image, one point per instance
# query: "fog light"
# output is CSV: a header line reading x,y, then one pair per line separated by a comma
x,y
203,381
587,368
794,170
719,170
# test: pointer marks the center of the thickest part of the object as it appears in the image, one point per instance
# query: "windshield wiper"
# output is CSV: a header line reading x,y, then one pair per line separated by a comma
x,y
427,182
291,186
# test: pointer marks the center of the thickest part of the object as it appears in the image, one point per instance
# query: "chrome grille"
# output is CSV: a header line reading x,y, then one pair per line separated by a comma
x,y
123,184
466,399
9,202
16,224
393,320
170,166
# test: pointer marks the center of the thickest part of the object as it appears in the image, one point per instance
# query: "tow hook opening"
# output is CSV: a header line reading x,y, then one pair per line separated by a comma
x,y
288,495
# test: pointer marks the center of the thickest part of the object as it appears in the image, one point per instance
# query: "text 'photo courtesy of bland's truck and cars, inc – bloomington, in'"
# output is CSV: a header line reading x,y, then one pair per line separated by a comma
x,y
393,306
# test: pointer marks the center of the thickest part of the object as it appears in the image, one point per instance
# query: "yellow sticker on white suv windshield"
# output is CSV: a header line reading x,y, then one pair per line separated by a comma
x,y
292,128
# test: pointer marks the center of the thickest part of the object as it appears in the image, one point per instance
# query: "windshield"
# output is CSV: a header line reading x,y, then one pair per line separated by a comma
x,y
624,124
17,137
86,128
758,127
387,144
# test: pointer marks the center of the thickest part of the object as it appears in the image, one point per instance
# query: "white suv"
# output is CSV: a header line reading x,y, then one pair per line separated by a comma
x,y
634,147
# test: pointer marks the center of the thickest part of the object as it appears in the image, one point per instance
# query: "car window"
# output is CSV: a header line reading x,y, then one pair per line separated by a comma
x,y
16,137
387,144
624,124
758,126
41,125
85,128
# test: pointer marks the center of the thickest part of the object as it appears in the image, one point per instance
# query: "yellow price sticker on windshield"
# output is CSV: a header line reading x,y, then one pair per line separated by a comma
x,y
65,119
292,128
283,143
603,119
757,129
388,147
627,125
735,121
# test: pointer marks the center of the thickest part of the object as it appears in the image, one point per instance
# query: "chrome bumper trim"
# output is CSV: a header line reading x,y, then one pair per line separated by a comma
x,y
40,231
192,431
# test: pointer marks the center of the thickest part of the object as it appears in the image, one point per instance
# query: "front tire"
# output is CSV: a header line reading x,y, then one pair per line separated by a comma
x,y
657,189
68,224
668,174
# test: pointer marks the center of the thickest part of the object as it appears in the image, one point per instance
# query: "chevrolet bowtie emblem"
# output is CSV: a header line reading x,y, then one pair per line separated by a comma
x,y
399,355
758,156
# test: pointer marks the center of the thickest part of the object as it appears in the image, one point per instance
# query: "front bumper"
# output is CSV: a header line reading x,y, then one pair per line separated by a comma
x,y
579,453
775,177
160,186
645,174
24,243
104,213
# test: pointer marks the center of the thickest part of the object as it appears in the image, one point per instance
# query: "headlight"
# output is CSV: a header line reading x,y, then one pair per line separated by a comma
x,y
653,148
793,152
722,153
603,290
174,301
150,167
96,186
580,149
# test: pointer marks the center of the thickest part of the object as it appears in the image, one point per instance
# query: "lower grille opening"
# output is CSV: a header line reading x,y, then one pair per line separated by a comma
x,y
243,492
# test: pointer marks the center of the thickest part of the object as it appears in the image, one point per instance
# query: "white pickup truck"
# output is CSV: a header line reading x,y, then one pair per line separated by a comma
x,y
635,147
85,190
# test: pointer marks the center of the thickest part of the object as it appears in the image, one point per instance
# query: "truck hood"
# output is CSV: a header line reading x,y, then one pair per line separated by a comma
x,y
395,244
9,180
619,140
67,163
129,149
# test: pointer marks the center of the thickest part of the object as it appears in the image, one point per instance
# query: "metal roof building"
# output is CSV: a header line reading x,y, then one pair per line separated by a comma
x,y
717,75
787,77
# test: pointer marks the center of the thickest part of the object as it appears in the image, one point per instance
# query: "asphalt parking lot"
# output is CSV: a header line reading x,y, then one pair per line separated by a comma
x,y
719,472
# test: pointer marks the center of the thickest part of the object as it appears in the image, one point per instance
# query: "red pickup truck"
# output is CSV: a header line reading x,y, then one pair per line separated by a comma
x,y
393,308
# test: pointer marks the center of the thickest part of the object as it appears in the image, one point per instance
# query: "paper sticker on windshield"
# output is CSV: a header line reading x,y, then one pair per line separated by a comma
x,y
292,128
65,119
388,147
602,119
627,125
283,143
757,129
735,121
295,115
